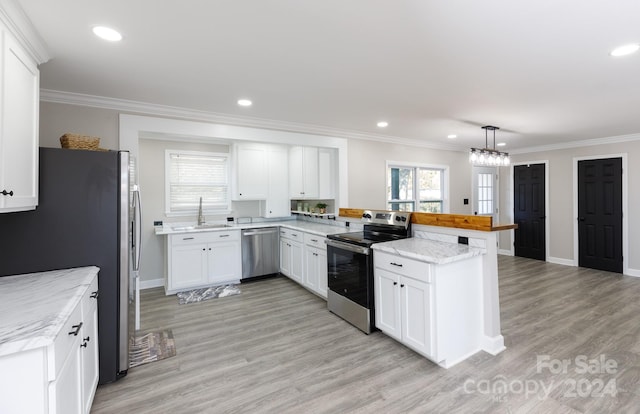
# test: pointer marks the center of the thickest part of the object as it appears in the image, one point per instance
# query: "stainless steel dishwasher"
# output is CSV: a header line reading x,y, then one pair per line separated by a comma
x,y
260,252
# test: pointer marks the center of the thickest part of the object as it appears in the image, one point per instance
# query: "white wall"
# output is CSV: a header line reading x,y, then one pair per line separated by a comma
x,y
367,172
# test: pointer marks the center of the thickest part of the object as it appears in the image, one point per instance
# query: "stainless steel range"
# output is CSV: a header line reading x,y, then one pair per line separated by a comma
x,y
350,265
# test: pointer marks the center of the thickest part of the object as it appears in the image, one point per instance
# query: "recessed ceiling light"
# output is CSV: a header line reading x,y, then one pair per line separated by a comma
x,y
452,136
244,102
107,33
382,124
501,144
625,50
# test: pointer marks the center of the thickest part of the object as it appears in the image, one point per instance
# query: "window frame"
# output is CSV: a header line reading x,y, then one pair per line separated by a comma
x,y
167,184
416,166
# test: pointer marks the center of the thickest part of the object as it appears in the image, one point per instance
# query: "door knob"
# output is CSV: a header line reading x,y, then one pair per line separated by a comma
x,y
581,219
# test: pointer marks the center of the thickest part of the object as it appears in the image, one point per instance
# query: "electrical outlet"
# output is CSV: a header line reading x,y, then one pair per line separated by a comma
x,y
463,240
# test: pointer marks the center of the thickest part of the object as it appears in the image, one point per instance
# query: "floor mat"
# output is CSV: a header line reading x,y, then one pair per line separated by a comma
x,y
151,347
198,295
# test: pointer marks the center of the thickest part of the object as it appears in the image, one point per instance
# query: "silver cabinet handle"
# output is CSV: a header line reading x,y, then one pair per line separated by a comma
x,y
187,238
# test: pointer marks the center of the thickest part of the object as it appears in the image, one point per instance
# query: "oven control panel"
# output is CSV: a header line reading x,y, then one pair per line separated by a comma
x,y
391,218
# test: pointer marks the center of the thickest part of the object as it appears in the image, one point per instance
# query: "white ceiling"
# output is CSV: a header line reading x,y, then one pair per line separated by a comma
x,y
539,70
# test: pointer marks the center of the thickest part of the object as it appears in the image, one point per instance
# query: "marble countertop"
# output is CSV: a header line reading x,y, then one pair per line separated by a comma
x,y
35,306
429,251
318,229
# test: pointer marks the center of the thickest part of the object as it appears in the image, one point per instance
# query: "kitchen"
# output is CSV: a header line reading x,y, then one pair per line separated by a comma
x,y
361,169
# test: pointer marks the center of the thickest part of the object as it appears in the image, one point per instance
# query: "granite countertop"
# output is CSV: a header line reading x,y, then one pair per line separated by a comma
x,y
429,251
318,229
35,306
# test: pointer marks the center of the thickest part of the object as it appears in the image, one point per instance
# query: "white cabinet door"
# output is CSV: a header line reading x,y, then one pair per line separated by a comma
x,y
188,267
285,257
65,391
303,172
89,356
416,314
224,262
387,301
18,128
277,202
251,172
315,266
297,261
311,268
326,173
310,172
323,271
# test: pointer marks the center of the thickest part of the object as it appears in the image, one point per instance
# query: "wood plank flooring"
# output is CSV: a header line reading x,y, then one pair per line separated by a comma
x,y
276,349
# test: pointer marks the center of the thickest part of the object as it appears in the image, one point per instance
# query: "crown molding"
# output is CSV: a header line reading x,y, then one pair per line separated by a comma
x,y
12,15
578,144
128,106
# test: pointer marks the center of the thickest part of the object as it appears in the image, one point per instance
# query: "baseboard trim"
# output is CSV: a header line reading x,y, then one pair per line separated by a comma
x,y
493,345
505,252
633,272
560,261
150,284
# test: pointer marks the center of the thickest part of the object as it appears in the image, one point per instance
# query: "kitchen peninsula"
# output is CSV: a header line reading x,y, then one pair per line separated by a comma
x,y
461,318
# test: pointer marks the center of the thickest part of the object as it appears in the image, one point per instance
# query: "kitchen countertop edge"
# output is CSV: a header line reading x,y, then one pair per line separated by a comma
x,y
429,251
35,306
314,228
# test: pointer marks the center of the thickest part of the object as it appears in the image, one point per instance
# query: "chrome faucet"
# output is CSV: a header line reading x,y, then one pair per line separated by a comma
x,y
200,215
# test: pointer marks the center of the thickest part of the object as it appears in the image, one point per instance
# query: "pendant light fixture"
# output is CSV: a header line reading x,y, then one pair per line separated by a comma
x,y
487,156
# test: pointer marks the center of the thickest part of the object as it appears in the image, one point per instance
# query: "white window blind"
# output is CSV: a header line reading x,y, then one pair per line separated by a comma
x,y
191,175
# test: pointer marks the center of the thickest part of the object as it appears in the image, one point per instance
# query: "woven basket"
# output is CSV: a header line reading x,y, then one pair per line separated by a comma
x,y
83,142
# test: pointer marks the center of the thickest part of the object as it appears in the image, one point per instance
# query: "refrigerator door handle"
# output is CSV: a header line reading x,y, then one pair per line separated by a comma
x,y
137,230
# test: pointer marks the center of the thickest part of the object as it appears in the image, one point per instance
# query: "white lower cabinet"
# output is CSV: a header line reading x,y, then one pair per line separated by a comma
x,y
62,377
315,275
433,309
291,254
196,260
403,310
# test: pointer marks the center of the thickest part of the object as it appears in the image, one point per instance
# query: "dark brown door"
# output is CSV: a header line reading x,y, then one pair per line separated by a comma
x,y
600,214
529,211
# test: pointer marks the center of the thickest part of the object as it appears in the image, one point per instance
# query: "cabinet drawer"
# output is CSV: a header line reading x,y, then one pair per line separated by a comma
x,y
291,234
315,241
403,266
65,342
90,298
204,237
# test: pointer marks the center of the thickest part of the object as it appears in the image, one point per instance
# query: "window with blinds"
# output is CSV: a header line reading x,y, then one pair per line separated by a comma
x,y
191,175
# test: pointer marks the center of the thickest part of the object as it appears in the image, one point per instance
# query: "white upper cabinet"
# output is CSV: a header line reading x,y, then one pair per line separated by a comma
x,y
19,95
303,172
326,173
250,172
277,202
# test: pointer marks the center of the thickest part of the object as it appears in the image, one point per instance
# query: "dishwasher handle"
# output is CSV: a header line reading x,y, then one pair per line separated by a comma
x,y
257,232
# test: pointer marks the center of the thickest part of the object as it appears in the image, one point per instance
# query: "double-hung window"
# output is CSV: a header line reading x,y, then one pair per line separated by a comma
x,y
420,188
190,175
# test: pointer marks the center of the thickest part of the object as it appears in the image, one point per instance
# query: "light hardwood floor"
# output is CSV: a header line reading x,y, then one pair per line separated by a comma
x,y
276,349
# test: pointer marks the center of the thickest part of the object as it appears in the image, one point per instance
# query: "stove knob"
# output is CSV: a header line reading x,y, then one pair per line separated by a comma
x,y
404,218
367,216
397,218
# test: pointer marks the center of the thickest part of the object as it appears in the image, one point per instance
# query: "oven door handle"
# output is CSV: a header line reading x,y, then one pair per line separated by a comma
x,y
349,247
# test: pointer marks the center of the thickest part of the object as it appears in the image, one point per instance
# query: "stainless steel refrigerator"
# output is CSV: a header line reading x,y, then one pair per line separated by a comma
x,y
85,217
